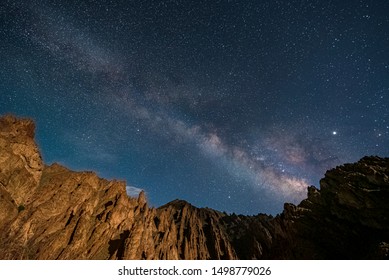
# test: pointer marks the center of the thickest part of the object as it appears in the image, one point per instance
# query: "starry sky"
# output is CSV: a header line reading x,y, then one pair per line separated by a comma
x,y
233,105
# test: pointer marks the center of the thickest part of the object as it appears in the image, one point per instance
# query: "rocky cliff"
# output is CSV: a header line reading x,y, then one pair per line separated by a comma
x,y
51,212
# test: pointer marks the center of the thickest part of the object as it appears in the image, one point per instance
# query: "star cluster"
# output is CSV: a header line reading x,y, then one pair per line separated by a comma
x,y
234,105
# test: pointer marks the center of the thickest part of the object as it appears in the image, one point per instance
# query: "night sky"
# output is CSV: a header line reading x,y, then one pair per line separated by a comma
x,y
234,105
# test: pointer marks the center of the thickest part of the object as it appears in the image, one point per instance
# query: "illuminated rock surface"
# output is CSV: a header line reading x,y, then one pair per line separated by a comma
x,y
51,212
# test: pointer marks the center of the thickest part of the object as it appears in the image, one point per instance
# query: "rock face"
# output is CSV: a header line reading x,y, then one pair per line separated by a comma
x,y
51,212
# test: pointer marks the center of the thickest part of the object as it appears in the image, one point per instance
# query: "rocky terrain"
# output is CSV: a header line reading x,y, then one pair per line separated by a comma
x,y
51,212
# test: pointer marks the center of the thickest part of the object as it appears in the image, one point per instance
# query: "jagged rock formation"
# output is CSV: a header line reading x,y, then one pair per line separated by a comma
x,y
51,212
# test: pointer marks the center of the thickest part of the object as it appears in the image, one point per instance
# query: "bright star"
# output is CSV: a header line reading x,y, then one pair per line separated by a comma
x,y
334,133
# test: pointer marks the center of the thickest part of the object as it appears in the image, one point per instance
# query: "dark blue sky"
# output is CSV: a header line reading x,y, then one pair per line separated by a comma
x,y
234,105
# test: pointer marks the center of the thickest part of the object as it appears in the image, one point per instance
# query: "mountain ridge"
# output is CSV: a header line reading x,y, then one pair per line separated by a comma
x,y
51,212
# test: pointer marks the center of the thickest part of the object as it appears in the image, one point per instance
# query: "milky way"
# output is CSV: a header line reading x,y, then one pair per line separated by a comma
x,y
234,105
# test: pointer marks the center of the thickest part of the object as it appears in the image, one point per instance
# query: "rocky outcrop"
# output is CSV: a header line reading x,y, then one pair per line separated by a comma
x,y
51,212
20,160
191,233
347,218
